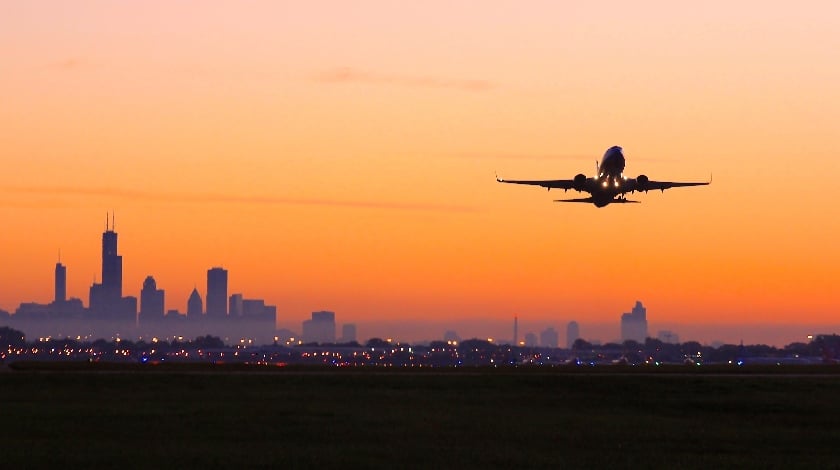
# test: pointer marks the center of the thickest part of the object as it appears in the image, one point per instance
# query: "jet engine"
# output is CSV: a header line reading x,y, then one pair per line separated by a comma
x,y
642,183
579,182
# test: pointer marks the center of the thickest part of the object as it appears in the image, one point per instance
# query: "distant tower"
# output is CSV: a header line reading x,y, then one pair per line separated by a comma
x,y
151,301
111,262
516,330
195,307
60,283
572,333
548,338
634,324
217,297
106,297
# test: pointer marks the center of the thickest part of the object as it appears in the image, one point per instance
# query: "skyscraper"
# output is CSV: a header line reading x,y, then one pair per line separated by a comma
x,y
151,301
217,297
572,333
320,329
60,283
548,338
106,298
634,324
195,307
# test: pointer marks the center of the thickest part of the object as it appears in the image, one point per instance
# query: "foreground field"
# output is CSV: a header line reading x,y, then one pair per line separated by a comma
x,y
494,418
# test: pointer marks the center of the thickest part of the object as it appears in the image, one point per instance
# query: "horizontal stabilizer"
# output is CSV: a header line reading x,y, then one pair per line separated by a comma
x,y
582,199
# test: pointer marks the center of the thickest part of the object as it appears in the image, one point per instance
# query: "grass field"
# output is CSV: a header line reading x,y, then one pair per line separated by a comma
x,y
511,418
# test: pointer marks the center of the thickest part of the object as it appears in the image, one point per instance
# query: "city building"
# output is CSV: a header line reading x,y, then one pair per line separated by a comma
x,y
530,340
60,283
549,338
195,307
451,336
217,296
572,333
634,324
348,333
235,306
667,336
151,301
320,328
106,300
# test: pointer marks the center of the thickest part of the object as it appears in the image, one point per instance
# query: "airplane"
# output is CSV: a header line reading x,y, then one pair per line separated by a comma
x,y
609,186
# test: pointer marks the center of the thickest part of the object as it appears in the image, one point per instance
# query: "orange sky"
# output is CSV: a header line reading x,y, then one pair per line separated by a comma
x,y
341,155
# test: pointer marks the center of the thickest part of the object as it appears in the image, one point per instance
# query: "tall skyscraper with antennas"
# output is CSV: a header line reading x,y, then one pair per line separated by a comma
x,y
106,298
60,282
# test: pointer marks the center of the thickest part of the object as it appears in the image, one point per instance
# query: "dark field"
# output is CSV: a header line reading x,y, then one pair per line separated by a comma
x,y
514,418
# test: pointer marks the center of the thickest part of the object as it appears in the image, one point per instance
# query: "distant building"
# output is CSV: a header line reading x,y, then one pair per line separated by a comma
x,y
60,283
106,300
151,301
530,340
549,338
195,307
348,333
173,314
257,307
668,337
320,328
451,336
572,333
634,324
217,297
235,306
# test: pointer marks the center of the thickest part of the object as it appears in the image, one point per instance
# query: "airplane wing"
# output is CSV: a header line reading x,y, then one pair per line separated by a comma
x,y
592,200
642,183
663,185
560,184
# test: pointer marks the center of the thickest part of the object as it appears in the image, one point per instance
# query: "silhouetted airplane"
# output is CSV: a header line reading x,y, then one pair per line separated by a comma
x,y
609,186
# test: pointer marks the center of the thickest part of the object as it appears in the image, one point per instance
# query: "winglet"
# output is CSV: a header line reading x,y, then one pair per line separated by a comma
x,y
499,179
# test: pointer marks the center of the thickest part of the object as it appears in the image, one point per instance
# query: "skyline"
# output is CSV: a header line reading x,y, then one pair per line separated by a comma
x,y
342,157
412,330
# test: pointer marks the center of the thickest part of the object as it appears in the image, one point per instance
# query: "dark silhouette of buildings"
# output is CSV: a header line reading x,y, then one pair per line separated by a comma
x,y
320,328
106,300
111,315
572,333
252,308
530,340
151,301
60,283
217,298
634,324
348,333
195,307
236,306
549,338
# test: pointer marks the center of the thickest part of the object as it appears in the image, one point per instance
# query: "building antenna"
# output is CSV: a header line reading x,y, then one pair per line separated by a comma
x,y
106,221
59,256
113,220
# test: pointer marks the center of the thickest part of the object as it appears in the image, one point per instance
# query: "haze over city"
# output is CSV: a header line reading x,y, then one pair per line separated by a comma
x,y
342,157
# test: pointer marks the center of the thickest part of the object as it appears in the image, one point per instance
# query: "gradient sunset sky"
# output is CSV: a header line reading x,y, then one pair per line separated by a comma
x,y
341,156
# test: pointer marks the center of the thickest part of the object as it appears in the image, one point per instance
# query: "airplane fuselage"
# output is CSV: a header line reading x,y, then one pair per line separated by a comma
x,y
609,180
